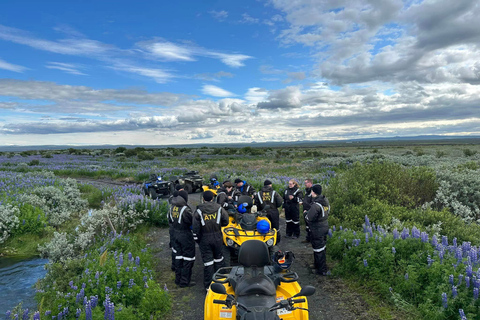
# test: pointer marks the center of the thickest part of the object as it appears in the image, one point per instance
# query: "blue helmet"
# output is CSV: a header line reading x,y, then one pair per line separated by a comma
x,y
243,207
263,226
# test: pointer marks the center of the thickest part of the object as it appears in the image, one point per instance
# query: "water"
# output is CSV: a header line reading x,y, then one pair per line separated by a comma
x,y
17,277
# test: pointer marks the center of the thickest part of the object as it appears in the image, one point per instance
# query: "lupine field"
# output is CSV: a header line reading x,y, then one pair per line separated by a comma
x,y
404,221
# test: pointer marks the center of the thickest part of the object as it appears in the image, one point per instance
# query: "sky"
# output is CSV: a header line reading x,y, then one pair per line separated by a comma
x,y
186,72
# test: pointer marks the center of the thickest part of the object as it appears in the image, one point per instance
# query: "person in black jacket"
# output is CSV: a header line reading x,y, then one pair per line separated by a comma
x,y
170,225
184,245
307,203
208,220
268,196
244,188
225,196
291,203
317,217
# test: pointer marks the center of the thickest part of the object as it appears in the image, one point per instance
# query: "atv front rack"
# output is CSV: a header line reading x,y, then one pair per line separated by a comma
x,y
236,232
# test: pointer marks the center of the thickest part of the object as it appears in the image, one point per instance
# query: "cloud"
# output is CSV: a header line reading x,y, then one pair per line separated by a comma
x,y
80,47
256,95
214,76
159,75
288,98
11,67
164,50
200,134
246,18
219,15
216,91
66,67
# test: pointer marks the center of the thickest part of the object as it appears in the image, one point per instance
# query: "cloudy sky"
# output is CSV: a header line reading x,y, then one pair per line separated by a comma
x,y
181,72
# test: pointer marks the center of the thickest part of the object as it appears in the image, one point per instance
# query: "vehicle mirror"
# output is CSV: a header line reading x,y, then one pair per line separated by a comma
x,y
218,288
305,292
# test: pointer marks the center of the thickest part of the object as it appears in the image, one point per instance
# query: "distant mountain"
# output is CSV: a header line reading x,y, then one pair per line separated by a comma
x,y
273,144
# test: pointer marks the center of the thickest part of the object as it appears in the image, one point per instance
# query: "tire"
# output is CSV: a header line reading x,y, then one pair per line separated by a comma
x,y
188,188
153,193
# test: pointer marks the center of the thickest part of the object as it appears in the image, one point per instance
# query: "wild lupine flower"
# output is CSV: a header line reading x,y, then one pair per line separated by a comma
x,y
119,284
165,287
48,312
429,260
94,301
444,300
406,276
454,291
460,279
395,234
71,284
88,311
97,275
424,237
130,256
78,313
334,228
8,313
137,260
146,285
365,262
415,232
405,233
467,281
120,259
393,250
462,314
367,221
444,241
366,237
455,242
25,314
458,253
450,279
127,269
475,293
36,315
131,283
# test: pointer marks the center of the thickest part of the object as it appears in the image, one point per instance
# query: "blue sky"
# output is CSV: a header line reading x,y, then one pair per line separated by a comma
x,y
158,73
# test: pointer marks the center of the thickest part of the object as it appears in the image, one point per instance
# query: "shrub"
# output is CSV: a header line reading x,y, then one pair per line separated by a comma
x,y
144,155
469,152
34,162
8,221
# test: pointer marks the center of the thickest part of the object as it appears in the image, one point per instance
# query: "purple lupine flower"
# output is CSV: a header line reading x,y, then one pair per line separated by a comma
x,y
445,241
424,237
80,296
120,259
97,275
36,315
145,285
394,250
25,314
444,300
78,313
469,271
8,313
475,293
71,284
467,281
334,228
131,283
119,284
48,312
84,285
458,253
15,316
165,287
137,260
395,234
88,311
460,279
366,237
462,314
130,256
434,241
455,242
365,262
406,276
94,301
367,221
127,269
450,279
454,291
144,278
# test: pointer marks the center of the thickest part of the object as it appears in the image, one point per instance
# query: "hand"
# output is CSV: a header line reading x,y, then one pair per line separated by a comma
x,y
290,197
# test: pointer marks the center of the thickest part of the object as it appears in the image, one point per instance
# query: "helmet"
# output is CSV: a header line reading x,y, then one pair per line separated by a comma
x,y
282,261
245,204
263,226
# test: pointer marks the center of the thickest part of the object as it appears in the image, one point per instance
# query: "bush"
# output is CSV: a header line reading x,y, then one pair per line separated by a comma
x,y
8,221
144,155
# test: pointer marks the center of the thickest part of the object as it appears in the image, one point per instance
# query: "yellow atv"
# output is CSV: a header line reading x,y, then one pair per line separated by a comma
x,y
245,225
256,290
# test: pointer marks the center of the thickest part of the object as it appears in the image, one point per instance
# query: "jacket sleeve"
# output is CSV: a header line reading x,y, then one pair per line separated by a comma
x,y
197,226
169,215
312,213
278,200
224,220
300,196
188,216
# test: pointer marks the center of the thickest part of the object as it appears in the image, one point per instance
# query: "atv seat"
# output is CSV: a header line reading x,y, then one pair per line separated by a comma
x,y
253,255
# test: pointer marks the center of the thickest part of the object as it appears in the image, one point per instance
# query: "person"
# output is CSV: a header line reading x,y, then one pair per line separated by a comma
x,y
225,196
317,217
170,225
268,196
208,220
184,244
307,203
244,188
291,203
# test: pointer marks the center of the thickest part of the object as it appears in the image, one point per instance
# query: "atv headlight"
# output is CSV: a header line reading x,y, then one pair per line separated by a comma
x,y
230,242
270,242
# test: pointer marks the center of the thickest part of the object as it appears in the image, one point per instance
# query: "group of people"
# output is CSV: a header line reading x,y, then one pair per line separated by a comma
x,y
203,225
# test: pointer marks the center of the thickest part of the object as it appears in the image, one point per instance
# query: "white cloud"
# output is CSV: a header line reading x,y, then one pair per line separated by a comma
x,y
219,15
246,18
11,67
215,91
66,67
168,51
256,95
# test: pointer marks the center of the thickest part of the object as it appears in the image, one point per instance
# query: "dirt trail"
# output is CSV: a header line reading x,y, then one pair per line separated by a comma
x,y
333,300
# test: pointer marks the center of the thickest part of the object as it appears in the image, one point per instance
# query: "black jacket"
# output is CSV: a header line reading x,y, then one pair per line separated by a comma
x,y
246,189
222,197
268,196
180,214
307,199
317,215
209,217
296,193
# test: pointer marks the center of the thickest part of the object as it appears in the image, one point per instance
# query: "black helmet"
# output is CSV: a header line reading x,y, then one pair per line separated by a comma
x,y
245,204
282,261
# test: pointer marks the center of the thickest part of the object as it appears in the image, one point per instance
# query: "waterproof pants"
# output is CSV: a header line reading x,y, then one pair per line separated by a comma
x,y
185,257
292,218
308,237
319,245
171,243
274,217
211,247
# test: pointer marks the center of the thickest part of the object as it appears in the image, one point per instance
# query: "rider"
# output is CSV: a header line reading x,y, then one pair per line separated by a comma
x,y
182,218
307,203
225,196
208,220
268,196
244,188
292,198
317,217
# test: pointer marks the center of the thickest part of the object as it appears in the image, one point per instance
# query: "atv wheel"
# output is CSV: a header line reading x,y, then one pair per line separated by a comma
x,y
152,193
188,188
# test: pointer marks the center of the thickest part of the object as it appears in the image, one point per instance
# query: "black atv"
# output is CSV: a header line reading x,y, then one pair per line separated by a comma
x,y
157,187
191,181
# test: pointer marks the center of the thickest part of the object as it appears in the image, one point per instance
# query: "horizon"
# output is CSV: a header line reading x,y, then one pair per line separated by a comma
x,y
237,72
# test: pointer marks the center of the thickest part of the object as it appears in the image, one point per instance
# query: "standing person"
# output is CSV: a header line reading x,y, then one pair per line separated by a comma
x,y
268,196
184,244
291,203
244,188
225,196
307,203
317,217
171,230
208,220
